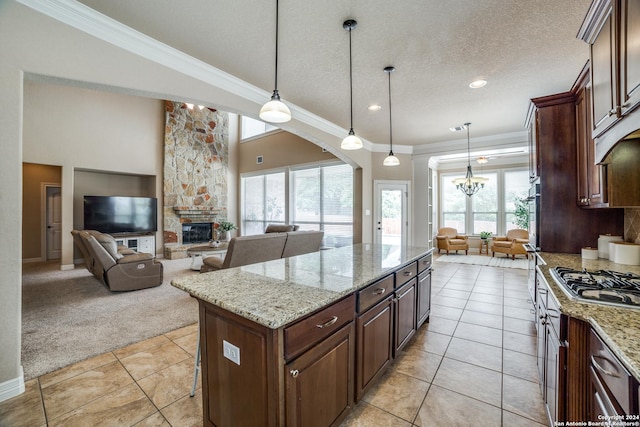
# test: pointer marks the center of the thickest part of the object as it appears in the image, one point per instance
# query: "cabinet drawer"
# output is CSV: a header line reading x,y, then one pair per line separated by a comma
x,y
424,263
313,329
405,274
375,292
616,378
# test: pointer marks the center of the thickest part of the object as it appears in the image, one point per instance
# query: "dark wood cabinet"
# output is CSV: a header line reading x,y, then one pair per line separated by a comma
x,y
319,385
375,344
563,225
405,315
592,189
612,388
423,297
623,174
612,29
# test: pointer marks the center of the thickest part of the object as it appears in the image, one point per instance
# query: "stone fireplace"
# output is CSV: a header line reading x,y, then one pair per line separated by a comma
x,y
196,149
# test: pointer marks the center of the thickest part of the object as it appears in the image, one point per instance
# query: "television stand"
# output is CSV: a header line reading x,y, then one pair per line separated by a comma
x,y
140,243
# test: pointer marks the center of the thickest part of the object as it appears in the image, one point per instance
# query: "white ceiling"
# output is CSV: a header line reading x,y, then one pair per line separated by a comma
x,y
524,49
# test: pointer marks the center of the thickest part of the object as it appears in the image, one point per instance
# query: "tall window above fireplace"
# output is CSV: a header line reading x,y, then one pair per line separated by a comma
x,y
196,232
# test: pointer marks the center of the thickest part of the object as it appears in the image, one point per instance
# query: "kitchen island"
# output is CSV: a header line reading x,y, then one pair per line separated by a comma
x,y
278,339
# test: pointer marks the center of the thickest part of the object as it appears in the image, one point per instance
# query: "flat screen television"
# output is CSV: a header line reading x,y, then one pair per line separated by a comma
x,y
119,214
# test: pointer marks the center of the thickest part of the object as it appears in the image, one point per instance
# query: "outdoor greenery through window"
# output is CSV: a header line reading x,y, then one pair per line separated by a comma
x,y
317,198
493,208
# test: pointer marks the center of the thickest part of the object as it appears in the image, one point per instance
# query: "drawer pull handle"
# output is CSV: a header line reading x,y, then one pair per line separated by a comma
x,y
333,320
294,373
379,291
407,273
601,369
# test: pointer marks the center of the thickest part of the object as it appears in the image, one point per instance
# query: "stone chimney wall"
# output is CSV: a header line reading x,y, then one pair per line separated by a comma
x,y
196,150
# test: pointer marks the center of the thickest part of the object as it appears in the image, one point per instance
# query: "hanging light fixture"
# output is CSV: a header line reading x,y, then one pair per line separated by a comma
x,y
391,159
470,184
275,111
351,141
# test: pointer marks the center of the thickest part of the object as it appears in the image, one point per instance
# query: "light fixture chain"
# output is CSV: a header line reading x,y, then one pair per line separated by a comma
x,y
350,81
390,124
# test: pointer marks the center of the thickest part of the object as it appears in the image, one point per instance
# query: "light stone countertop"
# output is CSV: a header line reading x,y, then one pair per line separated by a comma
x,y
276,293
618,327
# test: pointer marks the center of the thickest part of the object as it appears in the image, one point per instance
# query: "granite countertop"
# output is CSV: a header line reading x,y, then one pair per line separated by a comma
x,y
618,327
276,293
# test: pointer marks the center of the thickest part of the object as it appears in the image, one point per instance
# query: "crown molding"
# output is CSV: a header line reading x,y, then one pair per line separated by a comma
x,y
93,23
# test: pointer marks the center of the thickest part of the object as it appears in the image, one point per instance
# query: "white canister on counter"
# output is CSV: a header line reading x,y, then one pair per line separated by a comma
x,y
627,253
589,253
603,244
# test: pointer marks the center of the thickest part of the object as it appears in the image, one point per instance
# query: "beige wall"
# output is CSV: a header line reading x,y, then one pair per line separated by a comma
x,y
34,176
111,134
402,172
279,149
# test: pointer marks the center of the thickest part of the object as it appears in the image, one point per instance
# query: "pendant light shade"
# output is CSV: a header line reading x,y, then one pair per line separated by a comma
x,y
470,184
391,159
351,141
275,111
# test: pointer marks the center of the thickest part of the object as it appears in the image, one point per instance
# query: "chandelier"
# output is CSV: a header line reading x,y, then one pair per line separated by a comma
x,y
470,184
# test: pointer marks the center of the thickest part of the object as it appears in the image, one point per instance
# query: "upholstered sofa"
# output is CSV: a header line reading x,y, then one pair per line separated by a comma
x,y
246,250
449,240
511,244
118,267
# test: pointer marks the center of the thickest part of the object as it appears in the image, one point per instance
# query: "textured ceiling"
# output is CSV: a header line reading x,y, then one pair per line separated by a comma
x,y
524,49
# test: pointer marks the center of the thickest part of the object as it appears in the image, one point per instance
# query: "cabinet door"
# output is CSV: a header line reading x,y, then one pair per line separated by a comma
x,y
552,359
629,55
604,76
146,245
319,383
375,344
405,308
424,297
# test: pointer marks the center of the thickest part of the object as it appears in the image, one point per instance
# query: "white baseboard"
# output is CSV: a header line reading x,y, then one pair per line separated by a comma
x,y
12,388
28,260
65,267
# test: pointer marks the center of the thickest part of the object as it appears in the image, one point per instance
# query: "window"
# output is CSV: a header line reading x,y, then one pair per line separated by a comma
x,y
318,198
323,199
454,205
516,188
263,202
485,206
493,208
251,128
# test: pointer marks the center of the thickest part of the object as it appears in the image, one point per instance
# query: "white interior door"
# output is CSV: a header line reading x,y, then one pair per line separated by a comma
x,y
391,199
54,222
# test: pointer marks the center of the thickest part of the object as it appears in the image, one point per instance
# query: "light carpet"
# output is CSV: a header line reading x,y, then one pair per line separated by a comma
x,y
69,316
502,261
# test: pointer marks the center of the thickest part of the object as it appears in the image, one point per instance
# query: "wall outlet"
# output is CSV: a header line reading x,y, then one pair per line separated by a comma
x,y
231,352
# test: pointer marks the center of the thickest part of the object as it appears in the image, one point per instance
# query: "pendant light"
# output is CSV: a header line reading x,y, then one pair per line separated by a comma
x,y
391,159
351,141
470,184
275,111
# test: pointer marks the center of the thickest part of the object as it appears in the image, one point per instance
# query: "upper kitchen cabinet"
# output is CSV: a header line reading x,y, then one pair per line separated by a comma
x,y
592,187
612,29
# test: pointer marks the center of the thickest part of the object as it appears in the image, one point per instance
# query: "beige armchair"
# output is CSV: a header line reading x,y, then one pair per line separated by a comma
x,y
449,240
511,244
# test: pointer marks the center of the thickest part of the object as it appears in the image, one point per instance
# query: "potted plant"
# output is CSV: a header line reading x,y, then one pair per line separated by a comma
x,y
484,235
224,227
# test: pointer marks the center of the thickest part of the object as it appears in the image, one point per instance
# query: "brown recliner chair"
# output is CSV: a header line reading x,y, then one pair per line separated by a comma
x,y
449,240
511,244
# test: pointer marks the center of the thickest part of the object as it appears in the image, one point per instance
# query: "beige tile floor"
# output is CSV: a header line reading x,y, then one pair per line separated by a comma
x,y
473,364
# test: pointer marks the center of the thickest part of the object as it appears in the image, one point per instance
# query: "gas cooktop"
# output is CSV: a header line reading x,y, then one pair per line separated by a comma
x,y
601,286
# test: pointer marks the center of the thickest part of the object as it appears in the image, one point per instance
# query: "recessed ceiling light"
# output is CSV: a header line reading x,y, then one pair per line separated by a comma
x,y
374,107
457,128
477,84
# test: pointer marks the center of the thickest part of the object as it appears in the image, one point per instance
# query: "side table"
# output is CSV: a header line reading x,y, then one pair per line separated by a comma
x,y
197,252
484,246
